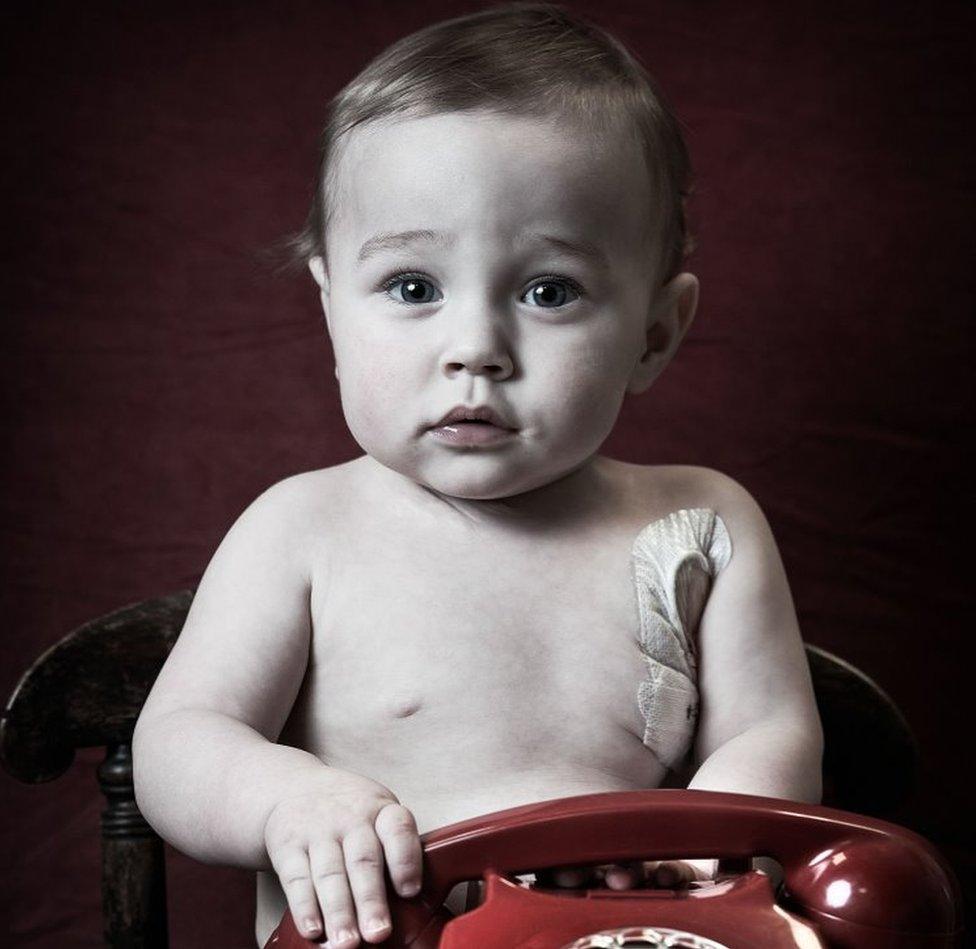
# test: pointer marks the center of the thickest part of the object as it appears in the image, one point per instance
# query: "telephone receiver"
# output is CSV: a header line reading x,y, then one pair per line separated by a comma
x,y
849,881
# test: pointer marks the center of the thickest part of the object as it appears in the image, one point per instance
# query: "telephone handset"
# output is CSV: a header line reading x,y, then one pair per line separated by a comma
x,y
849,880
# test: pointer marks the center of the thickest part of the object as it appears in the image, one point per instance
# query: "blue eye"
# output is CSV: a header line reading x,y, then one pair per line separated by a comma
x,y
551,293
409,288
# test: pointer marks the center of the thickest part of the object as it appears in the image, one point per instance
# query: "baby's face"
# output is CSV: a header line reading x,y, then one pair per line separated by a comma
x,y
487,260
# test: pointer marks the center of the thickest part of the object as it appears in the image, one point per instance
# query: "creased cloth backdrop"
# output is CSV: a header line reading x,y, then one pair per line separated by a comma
x,y
157,376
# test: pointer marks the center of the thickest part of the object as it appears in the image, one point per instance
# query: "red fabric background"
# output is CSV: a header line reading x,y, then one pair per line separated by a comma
x,y
157,377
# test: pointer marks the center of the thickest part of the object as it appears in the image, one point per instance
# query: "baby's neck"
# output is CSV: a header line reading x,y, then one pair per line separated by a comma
x,y
570,503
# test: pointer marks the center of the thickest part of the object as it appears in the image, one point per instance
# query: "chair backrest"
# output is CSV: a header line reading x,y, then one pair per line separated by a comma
x,y
871,758
87,690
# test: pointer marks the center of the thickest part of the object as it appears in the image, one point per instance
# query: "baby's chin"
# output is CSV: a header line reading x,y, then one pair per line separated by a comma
x,y
479,487
471,477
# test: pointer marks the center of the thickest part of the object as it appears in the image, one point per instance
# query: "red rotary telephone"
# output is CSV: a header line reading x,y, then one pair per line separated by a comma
x,y
850,882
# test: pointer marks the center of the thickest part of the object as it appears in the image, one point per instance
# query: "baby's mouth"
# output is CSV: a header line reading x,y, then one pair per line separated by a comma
x,y
474,414
471,432
472,426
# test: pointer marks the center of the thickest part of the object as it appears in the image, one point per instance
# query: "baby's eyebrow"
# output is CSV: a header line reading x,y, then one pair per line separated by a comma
x,y
397,241
583,249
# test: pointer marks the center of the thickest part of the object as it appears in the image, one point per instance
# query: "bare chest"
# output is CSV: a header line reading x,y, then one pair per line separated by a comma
x,y
521,656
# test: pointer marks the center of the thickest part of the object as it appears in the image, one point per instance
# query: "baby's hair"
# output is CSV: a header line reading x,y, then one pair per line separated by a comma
x,y
525,59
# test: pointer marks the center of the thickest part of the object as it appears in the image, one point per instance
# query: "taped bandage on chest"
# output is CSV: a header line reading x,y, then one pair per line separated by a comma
x,y
674,561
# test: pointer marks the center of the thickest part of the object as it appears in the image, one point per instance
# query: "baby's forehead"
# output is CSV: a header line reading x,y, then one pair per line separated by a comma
x,y
507,172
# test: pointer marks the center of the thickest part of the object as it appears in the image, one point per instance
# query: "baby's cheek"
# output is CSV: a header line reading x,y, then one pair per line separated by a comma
x,y
587,399
374,402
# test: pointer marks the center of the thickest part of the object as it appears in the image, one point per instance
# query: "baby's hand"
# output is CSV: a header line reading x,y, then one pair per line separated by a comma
x,y
627,876
327,846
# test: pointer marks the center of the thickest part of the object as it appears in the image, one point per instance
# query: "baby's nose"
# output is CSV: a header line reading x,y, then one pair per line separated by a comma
x,y
478,346
498,365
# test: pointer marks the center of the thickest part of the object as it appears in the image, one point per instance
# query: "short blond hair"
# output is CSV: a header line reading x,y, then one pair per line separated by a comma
x,y
521,59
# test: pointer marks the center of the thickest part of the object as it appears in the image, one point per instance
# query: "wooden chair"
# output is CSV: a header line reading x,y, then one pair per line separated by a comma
x,y
87,690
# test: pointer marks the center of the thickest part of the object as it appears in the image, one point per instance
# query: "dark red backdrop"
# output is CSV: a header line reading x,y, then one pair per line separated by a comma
x,y
158,377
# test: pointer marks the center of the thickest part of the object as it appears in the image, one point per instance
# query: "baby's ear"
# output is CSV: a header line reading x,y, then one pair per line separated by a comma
x,y
317,266
669,317
320,275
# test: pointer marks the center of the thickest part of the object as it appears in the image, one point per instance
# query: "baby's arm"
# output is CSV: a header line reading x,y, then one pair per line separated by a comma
x,y
208,775
759,730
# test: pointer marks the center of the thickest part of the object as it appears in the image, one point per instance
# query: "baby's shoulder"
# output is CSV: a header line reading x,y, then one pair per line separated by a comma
x,y
694,506
298,510
663,489
708,510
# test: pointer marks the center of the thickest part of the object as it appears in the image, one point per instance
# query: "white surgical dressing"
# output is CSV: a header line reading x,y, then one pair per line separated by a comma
x,y
674,561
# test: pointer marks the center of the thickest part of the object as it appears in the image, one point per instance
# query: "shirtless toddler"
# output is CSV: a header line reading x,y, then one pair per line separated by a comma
x,y
480,611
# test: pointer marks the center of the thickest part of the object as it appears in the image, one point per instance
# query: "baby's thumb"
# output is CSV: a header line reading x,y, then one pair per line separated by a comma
x,y
673,872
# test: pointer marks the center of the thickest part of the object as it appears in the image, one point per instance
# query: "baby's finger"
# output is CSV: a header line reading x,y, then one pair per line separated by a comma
x,y
669,873
573,877
397,832
364,867
624,876
332,888
292,866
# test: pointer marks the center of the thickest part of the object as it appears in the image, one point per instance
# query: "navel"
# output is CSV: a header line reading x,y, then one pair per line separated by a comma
x,y
406,708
